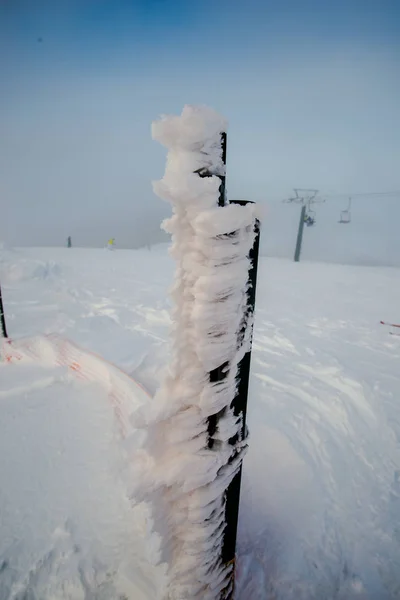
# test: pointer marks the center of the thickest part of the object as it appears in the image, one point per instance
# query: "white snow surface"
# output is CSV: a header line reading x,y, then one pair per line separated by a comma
x,y
68,527
320,504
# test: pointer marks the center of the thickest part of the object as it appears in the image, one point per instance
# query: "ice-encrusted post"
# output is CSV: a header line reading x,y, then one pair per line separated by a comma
x,y
2,317
196,433
239,403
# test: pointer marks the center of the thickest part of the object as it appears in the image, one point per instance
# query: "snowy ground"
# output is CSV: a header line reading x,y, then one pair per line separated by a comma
x,y
320,511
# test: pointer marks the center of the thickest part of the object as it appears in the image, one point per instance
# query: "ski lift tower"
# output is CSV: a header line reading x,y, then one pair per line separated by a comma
x,y
306,197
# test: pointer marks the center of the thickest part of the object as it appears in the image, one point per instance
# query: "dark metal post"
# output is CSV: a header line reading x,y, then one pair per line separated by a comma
x,y
239,405
300,234
221,372
204,172
2,317
239,402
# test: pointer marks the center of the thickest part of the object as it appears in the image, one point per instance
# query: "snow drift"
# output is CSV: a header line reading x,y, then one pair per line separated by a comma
x,y
69,527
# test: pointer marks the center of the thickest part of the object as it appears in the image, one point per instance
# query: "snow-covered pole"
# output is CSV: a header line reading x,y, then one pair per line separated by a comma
x,y
2,317
196,436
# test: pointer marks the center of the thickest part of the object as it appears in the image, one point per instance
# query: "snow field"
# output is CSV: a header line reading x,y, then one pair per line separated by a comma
x,y
320,505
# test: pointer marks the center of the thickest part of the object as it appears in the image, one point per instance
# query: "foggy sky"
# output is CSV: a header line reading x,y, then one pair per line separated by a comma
x,y
311,95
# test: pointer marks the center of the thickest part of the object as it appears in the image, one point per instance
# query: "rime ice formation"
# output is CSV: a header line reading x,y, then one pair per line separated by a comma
x,y
211,245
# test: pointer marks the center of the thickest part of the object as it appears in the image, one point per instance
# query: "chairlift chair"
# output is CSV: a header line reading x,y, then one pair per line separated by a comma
x,y
309,218
345,215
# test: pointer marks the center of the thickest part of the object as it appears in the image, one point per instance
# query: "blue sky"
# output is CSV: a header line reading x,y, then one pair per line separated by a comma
x,y
311,91
94,33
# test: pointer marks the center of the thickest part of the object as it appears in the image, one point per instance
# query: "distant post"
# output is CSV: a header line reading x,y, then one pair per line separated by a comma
x,y
2,317
300,234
